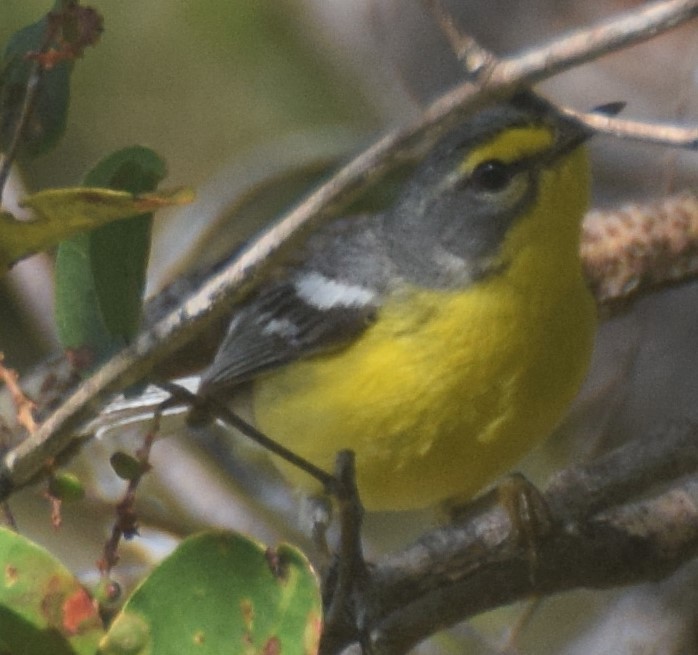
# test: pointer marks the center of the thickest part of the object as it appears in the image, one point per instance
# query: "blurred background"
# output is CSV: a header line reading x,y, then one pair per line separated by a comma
x,y
234,94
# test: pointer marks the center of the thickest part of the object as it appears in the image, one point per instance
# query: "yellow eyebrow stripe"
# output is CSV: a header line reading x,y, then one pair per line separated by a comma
x,y
509,146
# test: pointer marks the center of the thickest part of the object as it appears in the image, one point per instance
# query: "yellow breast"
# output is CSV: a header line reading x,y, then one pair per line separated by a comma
x,y
439,399
449,388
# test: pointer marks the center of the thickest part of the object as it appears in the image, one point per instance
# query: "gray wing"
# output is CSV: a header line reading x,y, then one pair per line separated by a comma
x,y
284,323
323,302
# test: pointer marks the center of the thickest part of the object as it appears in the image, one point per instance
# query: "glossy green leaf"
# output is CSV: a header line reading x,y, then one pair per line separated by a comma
x,y
119,251
221,593
100,276
78,317
43,608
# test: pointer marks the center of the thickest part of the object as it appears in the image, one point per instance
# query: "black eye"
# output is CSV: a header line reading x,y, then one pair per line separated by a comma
x,y
491,175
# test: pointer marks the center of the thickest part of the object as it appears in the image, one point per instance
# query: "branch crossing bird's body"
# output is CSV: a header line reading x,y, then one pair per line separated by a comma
x,y
439,340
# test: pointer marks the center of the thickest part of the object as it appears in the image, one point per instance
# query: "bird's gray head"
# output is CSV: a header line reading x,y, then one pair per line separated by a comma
x,y
452,216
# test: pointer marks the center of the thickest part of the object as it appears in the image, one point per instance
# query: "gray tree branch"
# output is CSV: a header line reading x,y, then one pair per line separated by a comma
x,y
630,516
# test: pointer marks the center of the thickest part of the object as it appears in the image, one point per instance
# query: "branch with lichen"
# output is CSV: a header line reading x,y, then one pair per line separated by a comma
x,y
638,248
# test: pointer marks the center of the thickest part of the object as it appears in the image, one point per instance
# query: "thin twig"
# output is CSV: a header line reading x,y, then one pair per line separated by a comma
x,y
474,58
35,75
214,409
521,622
673,136
126,522
33,80
350,593
24,406
214,299
585,45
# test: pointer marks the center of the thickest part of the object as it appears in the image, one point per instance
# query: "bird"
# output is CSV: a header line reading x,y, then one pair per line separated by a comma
x,y
440,339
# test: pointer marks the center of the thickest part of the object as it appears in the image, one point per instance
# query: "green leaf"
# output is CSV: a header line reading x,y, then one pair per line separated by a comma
x,y
78,318
119,252
62,213
43,608
126,466
221,593
50,109
100,277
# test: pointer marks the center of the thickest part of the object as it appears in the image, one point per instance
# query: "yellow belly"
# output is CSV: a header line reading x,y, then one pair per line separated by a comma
x,y
438,401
